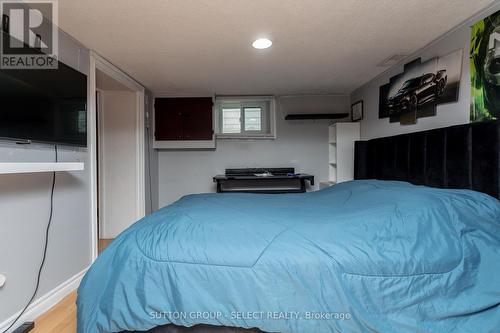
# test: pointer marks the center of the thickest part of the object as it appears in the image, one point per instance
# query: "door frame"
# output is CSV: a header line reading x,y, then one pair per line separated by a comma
x,y
99,63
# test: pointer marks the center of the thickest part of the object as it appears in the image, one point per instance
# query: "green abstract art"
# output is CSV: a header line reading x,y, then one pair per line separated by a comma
x,y
485,69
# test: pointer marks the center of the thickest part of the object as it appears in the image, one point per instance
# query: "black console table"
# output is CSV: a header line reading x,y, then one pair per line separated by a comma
x,y
280,180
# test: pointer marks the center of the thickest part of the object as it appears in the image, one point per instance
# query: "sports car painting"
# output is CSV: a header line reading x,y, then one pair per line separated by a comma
x,y
416,92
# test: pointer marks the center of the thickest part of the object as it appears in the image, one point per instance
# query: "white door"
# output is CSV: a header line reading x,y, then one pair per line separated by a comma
x,y
117,162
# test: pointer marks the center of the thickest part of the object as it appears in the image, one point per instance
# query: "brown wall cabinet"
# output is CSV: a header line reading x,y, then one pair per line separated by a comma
x,y
184,123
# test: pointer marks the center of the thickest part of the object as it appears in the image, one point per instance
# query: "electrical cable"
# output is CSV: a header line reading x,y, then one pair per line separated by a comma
x,y
47,230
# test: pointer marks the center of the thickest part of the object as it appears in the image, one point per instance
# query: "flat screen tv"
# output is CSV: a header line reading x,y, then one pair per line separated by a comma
x,y
44,105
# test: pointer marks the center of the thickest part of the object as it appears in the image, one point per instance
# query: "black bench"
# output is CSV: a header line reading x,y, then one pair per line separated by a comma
x,y
280,180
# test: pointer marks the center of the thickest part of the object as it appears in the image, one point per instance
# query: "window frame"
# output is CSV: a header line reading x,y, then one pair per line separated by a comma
x,y
268,116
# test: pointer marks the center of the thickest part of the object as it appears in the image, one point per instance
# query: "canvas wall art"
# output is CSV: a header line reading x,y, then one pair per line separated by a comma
x,y
485,69
421,86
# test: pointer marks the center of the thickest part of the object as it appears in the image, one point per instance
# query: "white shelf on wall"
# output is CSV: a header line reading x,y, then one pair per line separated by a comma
x,y
12,168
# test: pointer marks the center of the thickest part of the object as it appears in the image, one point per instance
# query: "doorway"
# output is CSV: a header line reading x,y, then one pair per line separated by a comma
x,y
118,159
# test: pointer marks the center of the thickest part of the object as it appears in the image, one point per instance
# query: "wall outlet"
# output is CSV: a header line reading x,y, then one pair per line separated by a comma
x,y
3,278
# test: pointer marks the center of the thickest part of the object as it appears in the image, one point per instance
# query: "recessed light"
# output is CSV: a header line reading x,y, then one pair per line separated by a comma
x,y
262,43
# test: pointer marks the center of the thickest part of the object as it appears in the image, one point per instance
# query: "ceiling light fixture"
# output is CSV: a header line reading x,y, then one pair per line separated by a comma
x,y
262,43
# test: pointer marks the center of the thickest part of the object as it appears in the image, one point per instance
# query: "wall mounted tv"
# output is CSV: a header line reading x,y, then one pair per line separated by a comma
x,y
44,105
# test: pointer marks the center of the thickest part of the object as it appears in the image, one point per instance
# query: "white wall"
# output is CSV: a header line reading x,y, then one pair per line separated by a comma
x,y
300,144
24,211
117,173
447,114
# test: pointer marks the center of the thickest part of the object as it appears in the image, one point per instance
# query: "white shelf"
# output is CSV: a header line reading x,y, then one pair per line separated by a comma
x,y
341,138
11,168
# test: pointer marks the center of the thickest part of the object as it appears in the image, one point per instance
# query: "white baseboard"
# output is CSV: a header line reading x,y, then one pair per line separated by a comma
x,y
45,302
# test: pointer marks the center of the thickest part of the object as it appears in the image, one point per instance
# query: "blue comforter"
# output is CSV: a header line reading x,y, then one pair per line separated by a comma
x,y
362,256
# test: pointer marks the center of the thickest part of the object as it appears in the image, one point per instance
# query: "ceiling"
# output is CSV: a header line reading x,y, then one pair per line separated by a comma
x,y
204,46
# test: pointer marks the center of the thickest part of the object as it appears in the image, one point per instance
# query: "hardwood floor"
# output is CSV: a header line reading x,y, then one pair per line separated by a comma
x,y
103,244
62,317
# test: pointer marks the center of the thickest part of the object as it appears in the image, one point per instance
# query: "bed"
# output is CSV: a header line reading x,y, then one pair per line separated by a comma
x,y
363,256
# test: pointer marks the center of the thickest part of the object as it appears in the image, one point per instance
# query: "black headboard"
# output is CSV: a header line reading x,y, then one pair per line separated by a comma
x,y
463,156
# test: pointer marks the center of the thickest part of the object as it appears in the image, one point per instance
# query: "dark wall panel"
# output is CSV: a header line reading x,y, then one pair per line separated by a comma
x,y
485,143
402,157
435,159
463,157
458,158
417,158
386,158
360,160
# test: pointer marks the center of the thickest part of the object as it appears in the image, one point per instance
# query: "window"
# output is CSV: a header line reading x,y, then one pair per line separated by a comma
x,y
245,117
253,119
231,120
